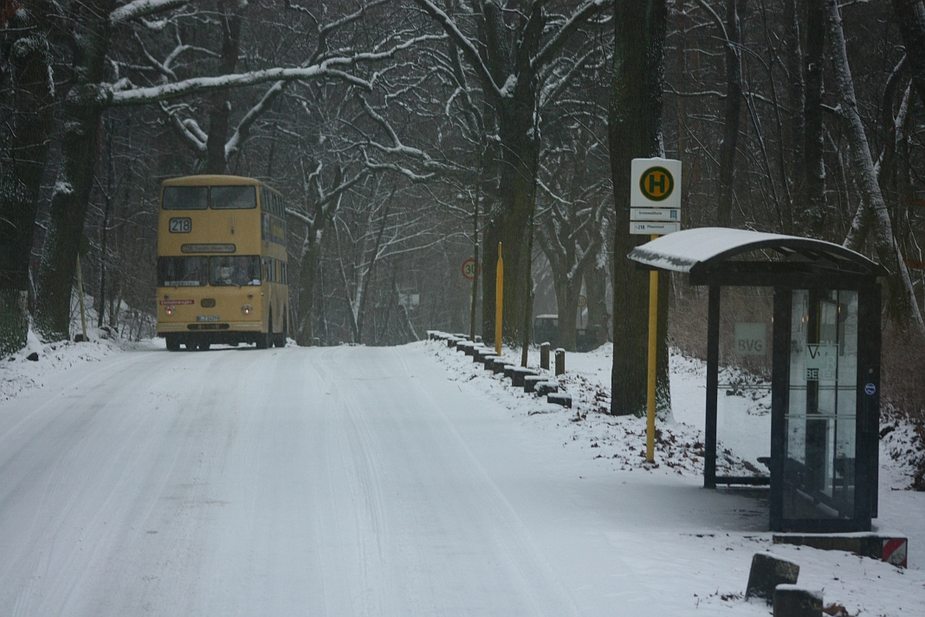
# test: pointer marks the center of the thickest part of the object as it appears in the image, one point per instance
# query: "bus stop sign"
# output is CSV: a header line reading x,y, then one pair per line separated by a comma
x,y
655,183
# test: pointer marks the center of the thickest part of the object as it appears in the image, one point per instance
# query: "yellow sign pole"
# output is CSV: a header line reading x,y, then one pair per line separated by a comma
x,y
499,300
650,382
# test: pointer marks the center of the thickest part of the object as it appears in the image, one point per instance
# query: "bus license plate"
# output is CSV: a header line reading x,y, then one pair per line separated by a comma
x,y
206,317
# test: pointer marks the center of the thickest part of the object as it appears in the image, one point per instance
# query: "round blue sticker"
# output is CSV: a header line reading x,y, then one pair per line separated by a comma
x,y
870,389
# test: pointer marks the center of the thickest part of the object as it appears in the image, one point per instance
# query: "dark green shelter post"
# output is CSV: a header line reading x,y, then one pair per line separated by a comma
x,y
825,366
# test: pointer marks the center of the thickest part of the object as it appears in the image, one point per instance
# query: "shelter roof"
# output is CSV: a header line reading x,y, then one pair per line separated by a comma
x,y
737,253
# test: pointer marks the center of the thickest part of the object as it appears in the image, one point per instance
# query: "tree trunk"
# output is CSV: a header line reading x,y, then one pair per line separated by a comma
x,y
727,154
910,15
598,317
308,268
220,113
508,224
567,302
81,122
813,181
872,211
29,126
104,228
634,131
796,95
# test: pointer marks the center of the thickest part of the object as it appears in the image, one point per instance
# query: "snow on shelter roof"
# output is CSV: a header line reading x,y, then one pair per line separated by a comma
x,y
702,249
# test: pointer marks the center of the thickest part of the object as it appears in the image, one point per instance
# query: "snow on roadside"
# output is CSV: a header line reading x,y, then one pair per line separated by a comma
x,y
853,586
619,440
38,363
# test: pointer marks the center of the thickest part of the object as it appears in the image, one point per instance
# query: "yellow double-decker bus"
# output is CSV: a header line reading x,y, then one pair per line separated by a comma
x,y
222,274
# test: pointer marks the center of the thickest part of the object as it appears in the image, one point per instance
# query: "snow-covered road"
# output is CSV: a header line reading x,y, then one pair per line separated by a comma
x,y
343,481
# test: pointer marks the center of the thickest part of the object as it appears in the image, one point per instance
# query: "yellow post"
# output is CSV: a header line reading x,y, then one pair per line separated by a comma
x,y
499,300
650,382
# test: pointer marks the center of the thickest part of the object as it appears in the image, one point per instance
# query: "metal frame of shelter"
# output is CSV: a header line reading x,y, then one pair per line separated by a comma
x,y
824,434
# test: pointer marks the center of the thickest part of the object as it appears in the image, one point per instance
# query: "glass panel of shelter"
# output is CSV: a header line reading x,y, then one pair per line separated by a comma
x,y
821,416
744,382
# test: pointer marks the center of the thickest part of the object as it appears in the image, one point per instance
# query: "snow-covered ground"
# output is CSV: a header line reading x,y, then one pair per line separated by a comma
x,y
382,481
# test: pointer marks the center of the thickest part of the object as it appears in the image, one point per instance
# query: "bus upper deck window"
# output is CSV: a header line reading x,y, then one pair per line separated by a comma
x,y
186,198
234,197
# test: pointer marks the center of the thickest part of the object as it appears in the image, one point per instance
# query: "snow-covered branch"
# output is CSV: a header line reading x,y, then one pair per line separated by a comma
x,y
464,43
579,17
330,67
142,8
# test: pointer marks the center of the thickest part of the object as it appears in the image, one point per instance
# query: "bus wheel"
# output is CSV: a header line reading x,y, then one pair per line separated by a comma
x,y
204,346
280,339
265,339
190,346
173,344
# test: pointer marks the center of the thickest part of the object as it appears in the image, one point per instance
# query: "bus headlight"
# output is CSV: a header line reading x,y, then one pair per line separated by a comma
x,y
247,309
168,309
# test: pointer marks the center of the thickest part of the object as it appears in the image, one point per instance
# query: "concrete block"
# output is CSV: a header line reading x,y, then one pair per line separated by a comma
x,y
885,547
766,573
793,601
560,398
546,387
518,374
530,382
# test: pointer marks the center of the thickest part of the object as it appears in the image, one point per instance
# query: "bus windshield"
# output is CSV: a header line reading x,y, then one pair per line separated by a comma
x,y
182,271
234,270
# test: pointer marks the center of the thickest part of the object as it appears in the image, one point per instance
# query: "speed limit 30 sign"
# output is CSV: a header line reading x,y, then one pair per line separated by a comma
x,y
470,268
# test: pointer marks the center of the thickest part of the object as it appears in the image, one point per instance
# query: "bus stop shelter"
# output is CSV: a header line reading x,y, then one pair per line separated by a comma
x,y
820,333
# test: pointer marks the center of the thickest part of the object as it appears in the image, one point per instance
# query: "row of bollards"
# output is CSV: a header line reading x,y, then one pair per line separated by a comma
x,y
522,377
560,359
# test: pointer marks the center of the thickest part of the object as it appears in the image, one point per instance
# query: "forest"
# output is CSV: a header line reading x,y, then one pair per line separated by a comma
x,y
410,135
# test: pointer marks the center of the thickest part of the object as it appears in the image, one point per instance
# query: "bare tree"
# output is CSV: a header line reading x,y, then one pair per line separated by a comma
x,y
510,49
90,94
910,16
872,216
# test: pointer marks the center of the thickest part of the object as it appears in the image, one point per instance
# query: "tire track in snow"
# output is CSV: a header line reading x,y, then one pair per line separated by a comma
x,y
537,580
76,491
451,541
358,474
